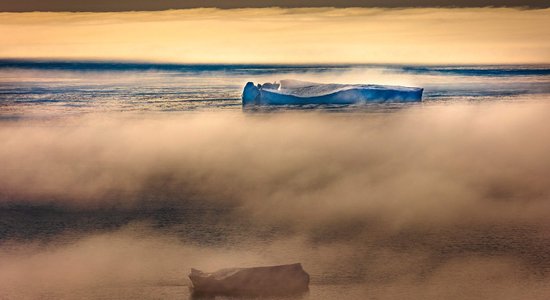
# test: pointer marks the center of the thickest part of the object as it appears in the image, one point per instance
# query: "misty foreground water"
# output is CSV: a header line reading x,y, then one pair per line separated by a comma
x,y
449,199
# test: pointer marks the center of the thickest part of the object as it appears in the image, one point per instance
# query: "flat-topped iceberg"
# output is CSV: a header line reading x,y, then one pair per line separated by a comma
x,y
256,281
295,92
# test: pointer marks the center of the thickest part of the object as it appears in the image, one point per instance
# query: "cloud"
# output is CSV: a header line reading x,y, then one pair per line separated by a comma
x,y
275,35
139,5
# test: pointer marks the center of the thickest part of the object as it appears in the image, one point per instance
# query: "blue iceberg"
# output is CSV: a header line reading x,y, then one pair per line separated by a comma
x,y
296,92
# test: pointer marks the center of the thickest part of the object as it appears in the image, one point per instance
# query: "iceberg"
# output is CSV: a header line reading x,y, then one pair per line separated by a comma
x,y
257,281
296,92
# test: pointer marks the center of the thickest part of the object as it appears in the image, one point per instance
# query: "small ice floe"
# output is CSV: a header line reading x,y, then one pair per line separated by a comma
x,y
257,281
295,92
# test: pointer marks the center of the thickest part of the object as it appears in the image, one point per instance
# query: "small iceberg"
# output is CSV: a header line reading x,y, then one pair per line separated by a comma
x,y
257,281
295,92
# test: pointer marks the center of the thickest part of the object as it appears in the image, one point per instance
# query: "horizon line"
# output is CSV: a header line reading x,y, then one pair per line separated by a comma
x,y
173,63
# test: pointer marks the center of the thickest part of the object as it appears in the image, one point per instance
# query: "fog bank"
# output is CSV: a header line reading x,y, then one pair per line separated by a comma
x,y
435,201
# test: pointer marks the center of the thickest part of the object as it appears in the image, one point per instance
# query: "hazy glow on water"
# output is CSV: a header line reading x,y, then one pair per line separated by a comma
x,y
114,182
60,88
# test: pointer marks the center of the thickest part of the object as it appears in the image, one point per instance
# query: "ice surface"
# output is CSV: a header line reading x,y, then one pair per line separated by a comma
x,y
271,280
303,92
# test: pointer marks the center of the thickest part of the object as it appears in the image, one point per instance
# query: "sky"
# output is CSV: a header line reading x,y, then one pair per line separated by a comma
x,y
277,35
135,5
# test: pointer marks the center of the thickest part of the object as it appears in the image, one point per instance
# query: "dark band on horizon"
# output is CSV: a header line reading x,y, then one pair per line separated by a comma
x,y
148,5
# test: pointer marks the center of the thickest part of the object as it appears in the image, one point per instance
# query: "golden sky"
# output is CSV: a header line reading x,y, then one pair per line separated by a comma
x,y
275,35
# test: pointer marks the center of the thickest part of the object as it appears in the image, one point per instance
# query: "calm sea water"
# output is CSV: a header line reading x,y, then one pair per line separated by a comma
x,y
58,241
33,87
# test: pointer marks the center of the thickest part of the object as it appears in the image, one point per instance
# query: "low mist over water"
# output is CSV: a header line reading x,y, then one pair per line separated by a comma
x,y
448,199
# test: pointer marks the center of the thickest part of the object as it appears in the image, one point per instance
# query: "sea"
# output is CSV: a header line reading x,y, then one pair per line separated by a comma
x,y
118,177
56,88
